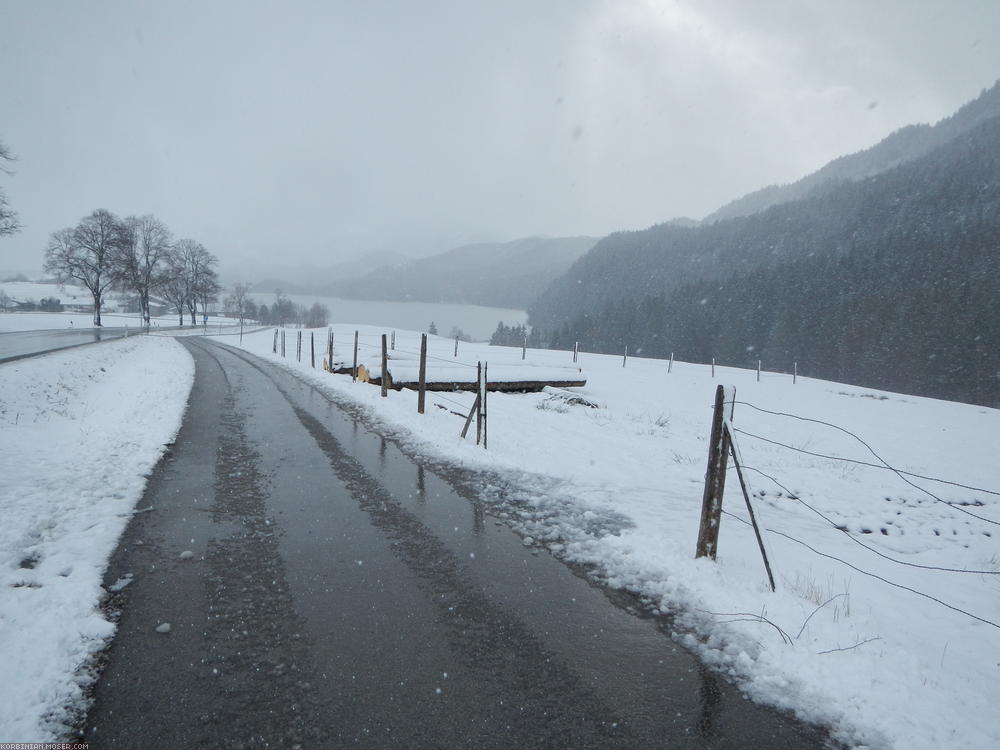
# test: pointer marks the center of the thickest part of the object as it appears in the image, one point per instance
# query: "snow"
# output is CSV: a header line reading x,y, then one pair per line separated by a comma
x,y
617,488
80,432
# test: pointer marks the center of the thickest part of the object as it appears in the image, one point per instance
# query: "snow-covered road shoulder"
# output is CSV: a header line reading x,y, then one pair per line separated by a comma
x,y
80,431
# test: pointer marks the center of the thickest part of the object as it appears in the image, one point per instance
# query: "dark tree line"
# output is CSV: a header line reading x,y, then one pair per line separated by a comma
x,y
506,335
138,254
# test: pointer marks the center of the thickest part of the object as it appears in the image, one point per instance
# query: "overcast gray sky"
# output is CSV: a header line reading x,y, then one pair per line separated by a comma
x,y
312,131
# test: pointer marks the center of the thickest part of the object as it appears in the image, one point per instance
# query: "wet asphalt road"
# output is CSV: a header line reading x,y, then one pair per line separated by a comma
x,y
342,595
21,344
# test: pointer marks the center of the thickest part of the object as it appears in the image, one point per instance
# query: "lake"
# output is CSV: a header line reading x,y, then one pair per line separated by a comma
x,y
478,322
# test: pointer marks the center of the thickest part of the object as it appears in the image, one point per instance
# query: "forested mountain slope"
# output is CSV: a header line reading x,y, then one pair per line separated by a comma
x,y
510,274
901,146
891,281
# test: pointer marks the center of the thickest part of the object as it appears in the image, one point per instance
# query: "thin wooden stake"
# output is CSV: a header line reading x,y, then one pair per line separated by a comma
x,y
713,367
312,349
282,342
746,496
456,346
758,370
795,372
468,419
298,345
670,364
625,356
422,382
576,350
524,348
385,366
274,350
354,370
715,481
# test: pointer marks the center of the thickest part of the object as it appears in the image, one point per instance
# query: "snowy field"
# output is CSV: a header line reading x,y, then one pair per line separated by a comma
x,y
80,431
886,663
908,659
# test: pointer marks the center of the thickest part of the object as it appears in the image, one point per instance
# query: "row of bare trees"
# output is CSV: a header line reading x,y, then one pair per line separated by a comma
x,y
138,254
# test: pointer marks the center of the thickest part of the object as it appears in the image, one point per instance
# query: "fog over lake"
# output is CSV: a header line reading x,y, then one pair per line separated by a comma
x,y
478,322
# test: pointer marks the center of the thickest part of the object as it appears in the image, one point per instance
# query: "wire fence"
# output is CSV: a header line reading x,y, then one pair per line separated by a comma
x,y
842,528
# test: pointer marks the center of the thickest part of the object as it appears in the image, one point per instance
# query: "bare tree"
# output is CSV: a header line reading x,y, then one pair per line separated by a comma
x,y
86,254
8,216
196,268
141,255
172,282
238,302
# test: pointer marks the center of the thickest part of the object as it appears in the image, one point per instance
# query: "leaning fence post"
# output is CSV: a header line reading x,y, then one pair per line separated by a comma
x,y
422,379
746,496
385,366
354,370
715,481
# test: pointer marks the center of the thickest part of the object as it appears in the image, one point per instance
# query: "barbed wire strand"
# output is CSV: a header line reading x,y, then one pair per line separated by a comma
x,y
871,450
865,572
857,541
865,463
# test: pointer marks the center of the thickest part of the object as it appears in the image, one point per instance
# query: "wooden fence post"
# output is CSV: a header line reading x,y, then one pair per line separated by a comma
x,y
282,342
713,367
312,349
354,369
456,346
329,348
524,348
422,382
298,345
385,365
479,402
715,481
670,364
576,350
758,370
486,390
625,356
795,372
392,344
274,350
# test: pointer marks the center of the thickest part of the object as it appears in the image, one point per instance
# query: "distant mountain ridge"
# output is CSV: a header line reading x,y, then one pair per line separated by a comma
x,y
493,274
891,280
905,144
